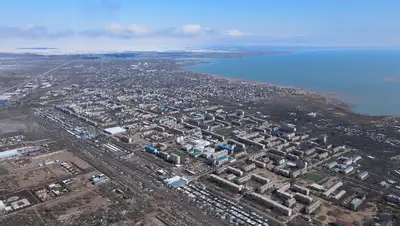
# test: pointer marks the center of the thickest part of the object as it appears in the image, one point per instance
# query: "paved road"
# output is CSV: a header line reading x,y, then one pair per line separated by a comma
x,y
127,175
37,76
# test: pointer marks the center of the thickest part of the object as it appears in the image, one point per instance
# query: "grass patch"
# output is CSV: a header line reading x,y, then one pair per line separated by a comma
x,y
225,132
314,177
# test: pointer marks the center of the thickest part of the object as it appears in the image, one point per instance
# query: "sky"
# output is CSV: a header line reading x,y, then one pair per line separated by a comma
x,y
124,25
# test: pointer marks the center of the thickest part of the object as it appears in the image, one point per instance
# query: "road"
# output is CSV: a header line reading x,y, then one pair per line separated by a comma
x,y
35,77
130,176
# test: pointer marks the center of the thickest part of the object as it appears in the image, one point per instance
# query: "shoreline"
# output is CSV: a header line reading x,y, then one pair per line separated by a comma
x,y
335,102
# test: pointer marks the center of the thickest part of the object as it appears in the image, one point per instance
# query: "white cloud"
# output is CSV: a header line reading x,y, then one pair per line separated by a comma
x,y
235,33
115,28
32,32
191,28
138,29
188,30
132,30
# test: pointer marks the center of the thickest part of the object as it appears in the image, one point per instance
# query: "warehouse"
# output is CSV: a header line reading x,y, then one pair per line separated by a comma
x,y
9,154
175,182
363,175
114,130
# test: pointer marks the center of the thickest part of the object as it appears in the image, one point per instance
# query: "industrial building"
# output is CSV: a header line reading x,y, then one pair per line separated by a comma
x,y
151,149
331,165
96,179
175,182
347,170
363,175
10,154
328,192
356,159
21,203
348,162
226,183
114,130
275,206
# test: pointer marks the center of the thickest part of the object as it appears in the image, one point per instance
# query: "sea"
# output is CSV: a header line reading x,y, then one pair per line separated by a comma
x,y
367,80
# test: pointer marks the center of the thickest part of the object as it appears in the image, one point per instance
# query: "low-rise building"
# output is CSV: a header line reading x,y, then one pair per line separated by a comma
x,y
311,208
226,183
275,206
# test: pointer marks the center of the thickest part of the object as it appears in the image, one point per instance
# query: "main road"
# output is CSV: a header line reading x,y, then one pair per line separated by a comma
x,y
35,77
140,182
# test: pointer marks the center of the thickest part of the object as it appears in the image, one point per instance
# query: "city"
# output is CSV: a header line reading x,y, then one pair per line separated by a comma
x,y
98,140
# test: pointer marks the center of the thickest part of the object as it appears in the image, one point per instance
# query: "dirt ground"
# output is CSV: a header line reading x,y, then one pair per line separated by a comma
x,y
331,212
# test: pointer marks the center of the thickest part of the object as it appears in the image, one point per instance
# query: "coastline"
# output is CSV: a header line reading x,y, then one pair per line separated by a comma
x,y
328,98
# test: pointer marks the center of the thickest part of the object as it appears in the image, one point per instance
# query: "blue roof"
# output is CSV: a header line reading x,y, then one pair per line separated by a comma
x,y
223,146
222,158
98,180
150,147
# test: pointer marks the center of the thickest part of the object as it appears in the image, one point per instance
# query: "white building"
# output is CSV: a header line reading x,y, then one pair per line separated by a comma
x,y
114,130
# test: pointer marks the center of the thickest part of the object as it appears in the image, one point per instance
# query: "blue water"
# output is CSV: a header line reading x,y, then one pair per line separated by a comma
x,y
355,76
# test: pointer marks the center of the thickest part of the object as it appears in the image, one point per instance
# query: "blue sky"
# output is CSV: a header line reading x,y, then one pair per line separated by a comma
x,y
94,25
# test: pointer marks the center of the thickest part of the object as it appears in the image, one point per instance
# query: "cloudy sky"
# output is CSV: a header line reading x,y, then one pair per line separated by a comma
x,y
116,25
